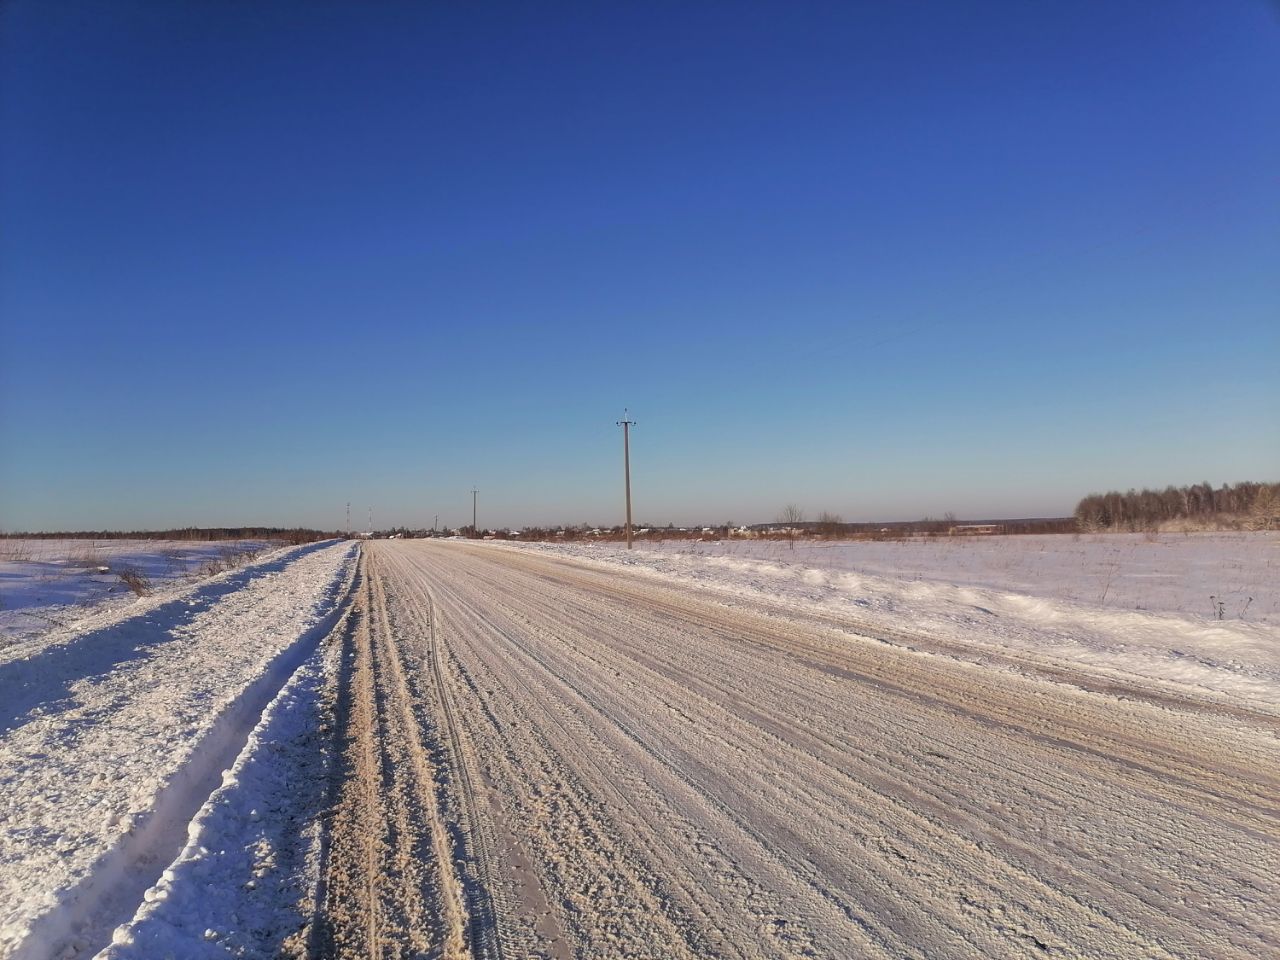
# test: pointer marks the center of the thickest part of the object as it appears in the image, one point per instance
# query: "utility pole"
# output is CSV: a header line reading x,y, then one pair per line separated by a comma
x,y
370,520
348,518
435,523
474,530
626,425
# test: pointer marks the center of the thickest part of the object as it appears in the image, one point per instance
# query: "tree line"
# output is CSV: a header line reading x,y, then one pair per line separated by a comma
x,y
1253,505
293,535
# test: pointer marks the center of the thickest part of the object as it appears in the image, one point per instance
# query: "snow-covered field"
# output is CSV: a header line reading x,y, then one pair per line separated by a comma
x,y
1117,604
49,583
1169,573
115,728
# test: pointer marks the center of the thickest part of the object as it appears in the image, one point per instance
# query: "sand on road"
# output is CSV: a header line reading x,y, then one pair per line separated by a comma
x,y
545,759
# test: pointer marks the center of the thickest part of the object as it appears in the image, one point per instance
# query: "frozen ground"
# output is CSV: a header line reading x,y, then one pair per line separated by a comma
x,y
50,583
113,731
1118,605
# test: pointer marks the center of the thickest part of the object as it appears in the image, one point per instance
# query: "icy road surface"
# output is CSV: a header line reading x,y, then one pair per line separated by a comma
x,y
549,758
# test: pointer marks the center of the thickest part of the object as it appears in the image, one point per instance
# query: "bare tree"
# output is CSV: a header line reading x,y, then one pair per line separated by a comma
x,y
829,523
792,516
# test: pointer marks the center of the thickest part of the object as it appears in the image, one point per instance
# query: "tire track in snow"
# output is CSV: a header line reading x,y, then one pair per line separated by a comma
x,y
1147,900
1167,760
743,777
482,834
408,873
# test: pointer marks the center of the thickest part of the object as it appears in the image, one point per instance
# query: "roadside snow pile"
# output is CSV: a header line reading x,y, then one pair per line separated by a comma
x,y
113,732
246,882
53,583
1231,656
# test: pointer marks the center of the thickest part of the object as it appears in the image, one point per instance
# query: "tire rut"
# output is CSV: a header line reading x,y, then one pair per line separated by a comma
x,y
392,887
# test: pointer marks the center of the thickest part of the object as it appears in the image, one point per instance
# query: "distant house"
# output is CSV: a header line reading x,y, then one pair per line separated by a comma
x,y
976,529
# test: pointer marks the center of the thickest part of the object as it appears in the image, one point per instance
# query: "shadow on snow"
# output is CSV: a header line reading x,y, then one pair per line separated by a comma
x,y
45,679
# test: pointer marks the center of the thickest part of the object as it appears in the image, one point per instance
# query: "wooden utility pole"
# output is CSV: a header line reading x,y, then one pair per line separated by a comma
x,y
474,531
626,426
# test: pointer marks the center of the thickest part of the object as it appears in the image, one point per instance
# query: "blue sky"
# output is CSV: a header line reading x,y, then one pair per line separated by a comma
x,y
258,260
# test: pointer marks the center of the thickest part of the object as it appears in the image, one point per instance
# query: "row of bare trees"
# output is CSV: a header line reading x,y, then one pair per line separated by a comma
x,y
1252,505
792,519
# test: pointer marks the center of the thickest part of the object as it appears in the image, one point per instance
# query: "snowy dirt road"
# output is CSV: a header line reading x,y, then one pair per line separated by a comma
x,y
549,759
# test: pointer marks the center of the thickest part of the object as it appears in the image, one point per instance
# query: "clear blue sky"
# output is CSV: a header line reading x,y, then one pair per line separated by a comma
x,y
893,259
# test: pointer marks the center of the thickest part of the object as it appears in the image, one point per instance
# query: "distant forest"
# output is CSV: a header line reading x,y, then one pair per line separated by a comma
x,y
285,534
1250,506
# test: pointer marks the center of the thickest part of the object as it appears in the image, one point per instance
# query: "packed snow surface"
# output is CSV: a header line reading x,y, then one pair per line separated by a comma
x,y
1131,605
107,727
564,758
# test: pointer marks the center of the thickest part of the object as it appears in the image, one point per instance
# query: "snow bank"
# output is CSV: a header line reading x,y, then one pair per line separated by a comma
x,y
245,883
107,729
1018,595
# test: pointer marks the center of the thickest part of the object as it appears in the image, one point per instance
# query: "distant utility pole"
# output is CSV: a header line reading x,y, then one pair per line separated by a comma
x,y
474,530
371,519
435,523
348,518
626,426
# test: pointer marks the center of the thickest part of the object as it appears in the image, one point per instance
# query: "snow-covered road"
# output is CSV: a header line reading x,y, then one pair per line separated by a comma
x,y
501,752
551,758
